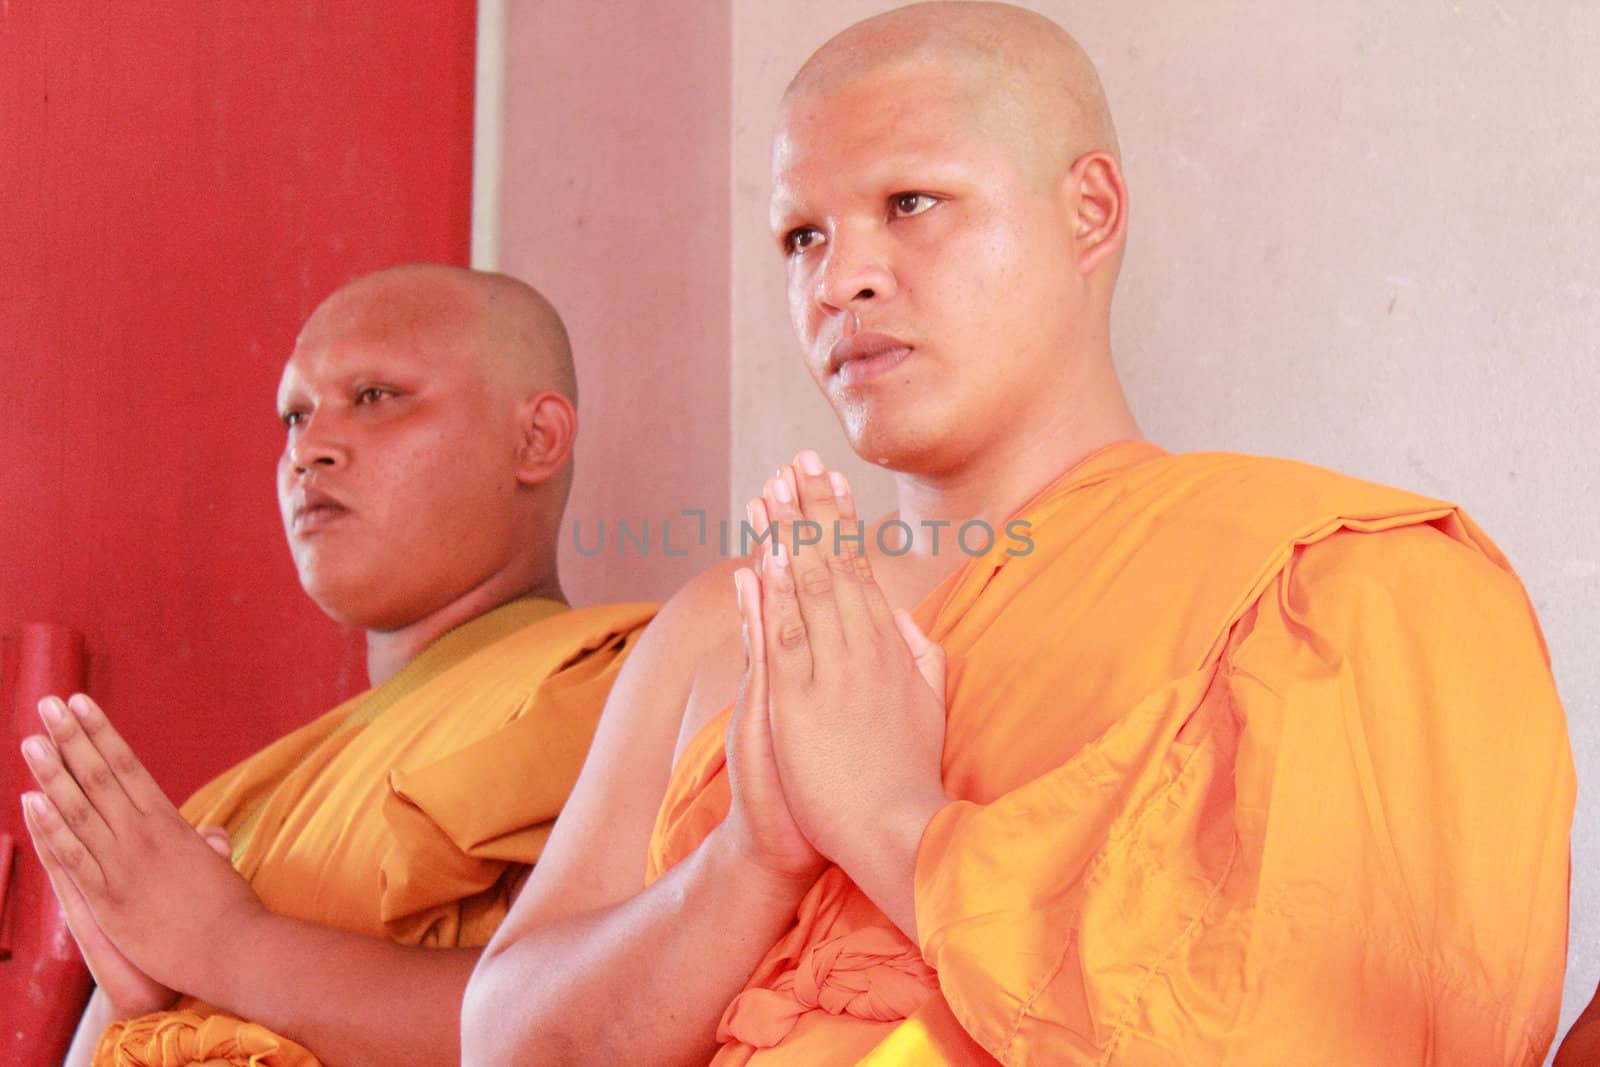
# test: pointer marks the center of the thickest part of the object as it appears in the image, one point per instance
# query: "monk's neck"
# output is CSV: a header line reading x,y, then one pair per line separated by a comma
x,y
1001,478
388,651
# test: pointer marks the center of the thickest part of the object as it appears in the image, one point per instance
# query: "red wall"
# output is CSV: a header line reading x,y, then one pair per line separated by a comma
x,y
180,184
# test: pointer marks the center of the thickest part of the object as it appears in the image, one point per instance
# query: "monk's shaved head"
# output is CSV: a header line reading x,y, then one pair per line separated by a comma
x,y
430,423
1035,87
946,185
514,332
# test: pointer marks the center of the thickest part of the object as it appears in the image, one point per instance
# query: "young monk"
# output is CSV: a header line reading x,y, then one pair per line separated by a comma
x,y
1226,760
429,418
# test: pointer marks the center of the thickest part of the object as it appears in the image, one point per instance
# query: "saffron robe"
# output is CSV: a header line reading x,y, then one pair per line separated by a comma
x,y
410,811
1251,763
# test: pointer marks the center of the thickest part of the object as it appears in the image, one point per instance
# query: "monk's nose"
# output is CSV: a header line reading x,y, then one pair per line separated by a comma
x,y
856,271
314,448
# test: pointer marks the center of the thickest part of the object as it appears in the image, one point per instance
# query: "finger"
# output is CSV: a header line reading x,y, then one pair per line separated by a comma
x,y
875,604
51,835
777,503
811,576
814,490
786,633
80,917
83,761
764,523
66,799
750,708
132,777
105,961
760,522
218,840
929,655
747,587
843,547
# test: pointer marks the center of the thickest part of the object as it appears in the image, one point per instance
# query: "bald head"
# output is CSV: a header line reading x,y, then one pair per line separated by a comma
x,y
430,424
507,326
946,185
1031,85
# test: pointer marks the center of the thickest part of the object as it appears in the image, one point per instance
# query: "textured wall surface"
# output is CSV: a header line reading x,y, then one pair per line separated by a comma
x,y
182,183
614,193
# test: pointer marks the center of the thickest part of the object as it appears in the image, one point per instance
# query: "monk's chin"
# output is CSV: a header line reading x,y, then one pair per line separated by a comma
x,y
352,602
884,443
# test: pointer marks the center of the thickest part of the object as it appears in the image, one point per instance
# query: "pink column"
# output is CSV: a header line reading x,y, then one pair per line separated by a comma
x,y
615,204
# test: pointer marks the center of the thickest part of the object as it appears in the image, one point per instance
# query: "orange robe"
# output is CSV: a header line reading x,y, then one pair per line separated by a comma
x,y
1252,763
407,812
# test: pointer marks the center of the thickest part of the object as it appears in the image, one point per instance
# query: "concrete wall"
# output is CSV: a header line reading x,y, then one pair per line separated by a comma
x,y
613,203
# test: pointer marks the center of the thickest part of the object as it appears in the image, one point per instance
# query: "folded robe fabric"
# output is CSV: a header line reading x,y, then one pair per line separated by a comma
x,y
1252,763
409,811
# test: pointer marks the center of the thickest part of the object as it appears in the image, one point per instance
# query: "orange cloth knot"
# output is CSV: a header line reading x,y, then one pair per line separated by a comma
x,y
182,1038
870,973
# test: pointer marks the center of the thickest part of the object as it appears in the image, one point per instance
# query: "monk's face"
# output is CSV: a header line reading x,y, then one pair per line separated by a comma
x,y
395,484
896,208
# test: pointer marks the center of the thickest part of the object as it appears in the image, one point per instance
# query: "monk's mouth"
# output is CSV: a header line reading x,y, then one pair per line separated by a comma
x,y
320,517
865,369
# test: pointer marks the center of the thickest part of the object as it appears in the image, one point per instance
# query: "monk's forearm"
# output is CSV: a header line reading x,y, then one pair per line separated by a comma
x,y
644,981
882,860
352,1000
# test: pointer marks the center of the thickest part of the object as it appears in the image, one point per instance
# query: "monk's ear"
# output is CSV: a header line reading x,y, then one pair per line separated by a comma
x,y
547,426
1099,201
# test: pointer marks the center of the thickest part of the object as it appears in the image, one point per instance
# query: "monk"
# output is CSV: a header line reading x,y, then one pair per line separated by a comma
x,y
1088,753
430,418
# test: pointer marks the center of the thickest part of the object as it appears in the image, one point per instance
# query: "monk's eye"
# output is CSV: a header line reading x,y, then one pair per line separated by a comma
x,y
904,205
291,419
800,239
371,395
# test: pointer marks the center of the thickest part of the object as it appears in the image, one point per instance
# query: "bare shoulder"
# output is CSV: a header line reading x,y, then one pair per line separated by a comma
x,y
701,617
692,655
596,854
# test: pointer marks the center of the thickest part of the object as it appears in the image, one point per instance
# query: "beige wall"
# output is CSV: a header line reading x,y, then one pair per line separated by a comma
x,y
613,202
1364,235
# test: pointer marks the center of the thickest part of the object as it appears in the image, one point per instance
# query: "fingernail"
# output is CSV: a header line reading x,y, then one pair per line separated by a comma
x,y
841,487
810,462
80,705
782,492
738,590
33,749
51,708
780,555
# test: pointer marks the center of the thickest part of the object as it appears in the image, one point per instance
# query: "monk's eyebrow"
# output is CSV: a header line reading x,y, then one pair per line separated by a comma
x,y
783,212
287,394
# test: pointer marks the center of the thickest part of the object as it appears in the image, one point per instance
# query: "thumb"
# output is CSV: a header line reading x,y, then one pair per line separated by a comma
x,y
218,841
750,707
928,654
